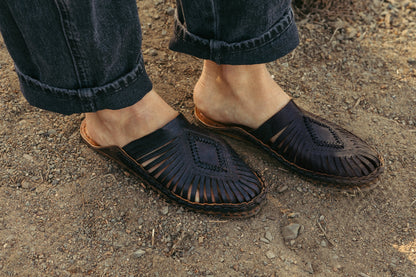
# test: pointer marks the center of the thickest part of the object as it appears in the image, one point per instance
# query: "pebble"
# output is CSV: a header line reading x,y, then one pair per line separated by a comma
x,y
52,132
323,243
164,210
170,11
26,184
139,253
28,157
268,236
270,254
265,240
411,61
290,231
350,32
282,188
270,217
309,268
152,52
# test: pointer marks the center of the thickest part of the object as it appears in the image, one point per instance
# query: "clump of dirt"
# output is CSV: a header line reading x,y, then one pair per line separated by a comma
x,y
66,211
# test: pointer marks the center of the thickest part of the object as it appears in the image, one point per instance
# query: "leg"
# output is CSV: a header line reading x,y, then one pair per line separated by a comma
x,y
235,82
67,66
236,94
85,56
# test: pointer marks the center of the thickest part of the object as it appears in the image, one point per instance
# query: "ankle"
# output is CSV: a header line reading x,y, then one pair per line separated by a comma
x,y
241,94
240,80
119,127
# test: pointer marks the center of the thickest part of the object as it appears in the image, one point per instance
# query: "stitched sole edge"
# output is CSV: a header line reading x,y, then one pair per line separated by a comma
x,y
235,211
343,184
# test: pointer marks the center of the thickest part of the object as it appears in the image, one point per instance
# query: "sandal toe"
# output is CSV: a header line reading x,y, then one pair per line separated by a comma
x,y
311,146
193,168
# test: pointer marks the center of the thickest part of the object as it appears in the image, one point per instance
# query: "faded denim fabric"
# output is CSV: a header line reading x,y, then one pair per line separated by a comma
x,y
76,56
235,32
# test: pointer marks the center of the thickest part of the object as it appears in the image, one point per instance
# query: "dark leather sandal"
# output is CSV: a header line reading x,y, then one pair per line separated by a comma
x,y
191,167
310,145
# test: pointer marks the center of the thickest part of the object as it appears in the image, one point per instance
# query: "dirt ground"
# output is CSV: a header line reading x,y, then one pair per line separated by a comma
x,y
66,211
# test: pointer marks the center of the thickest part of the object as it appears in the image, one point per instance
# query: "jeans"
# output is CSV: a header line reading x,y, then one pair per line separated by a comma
x,y
76,56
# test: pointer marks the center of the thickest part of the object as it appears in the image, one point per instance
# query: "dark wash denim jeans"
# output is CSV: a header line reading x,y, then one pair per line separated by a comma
x,y
75,56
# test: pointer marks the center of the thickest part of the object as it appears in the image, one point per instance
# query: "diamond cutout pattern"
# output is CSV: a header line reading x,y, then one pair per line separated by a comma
x,y
323,135
207,154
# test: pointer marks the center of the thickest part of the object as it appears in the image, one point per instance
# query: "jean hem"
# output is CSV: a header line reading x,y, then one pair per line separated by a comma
x,y
123,92
278,41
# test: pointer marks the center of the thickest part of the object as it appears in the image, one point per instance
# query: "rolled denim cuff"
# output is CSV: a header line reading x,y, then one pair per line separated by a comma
x,y
278,41
122,92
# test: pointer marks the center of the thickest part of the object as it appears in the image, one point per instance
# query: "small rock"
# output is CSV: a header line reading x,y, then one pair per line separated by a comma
x,y
26,184
268,236
411,61
270,254
309,268
361,274
51,132
170,11
164,210
265,240
152,52
323,243
28,157
291,231
201,240
282,188
139,253
350,32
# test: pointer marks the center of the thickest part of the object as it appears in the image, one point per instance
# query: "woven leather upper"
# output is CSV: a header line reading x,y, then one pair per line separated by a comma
x,y
315,144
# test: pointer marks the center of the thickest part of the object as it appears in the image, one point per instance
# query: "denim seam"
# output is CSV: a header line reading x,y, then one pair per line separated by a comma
x,y
216,21
72,39
109,89
67,43
244,46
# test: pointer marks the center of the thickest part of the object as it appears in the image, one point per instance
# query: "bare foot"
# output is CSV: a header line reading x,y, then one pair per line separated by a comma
x,y
119,127
238,94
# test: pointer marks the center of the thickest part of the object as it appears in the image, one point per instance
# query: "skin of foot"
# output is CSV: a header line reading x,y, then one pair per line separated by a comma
x,y
231,94
238,94
119,127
